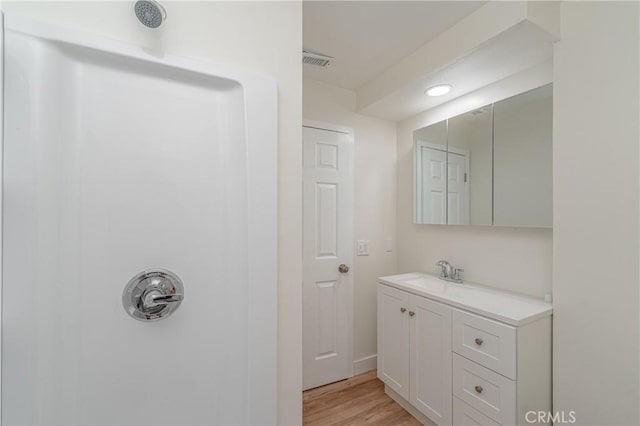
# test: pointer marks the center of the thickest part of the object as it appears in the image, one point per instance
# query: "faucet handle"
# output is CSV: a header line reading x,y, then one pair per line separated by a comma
x,y
456,273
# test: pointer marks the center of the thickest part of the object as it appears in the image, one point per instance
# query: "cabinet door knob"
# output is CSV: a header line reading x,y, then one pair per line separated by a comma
x,y
478,341
403,310
411,313
479,389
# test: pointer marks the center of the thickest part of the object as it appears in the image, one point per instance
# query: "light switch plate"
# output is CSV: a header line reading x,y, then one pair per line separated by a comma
x,y
388,245
362,248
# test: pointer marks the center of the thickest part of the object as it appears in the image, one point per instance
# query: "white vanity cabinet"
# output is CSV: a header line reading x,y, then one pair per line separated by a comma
x,y
393,339
430,359
414,350
463,354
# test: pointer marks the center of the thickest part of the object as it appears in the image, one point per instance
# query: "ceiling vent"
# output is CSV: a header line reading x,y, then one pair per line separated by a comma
x,y
315,59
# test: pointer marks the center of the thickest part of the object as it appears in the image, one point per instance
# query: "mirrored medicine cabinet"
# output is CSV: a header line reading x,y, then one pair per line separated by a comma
x,y
488,166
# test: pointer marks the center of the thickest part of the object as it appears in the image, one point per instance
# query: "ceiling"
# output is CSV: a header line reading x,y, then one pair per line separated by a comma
x,y
367,37
513,51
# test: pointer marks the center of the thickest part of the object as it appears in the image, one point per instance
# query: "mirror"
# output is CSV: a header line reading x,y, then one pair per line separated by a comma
x,y
489,166
453,170
469,152
430,167
522,168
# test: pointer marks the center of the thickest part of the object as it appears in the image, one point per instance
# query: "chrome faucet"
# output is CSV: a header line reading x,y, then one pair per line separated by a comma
x,y
449,273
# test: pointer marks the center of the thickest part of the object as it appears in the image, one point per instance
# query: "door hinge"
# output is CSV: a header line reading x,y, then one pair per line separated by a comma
x,y
465,177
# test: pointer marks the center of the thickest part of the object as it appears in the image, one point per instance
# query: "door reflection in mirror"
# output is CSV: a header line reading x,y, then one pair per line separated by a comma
x,y
430,166
453,170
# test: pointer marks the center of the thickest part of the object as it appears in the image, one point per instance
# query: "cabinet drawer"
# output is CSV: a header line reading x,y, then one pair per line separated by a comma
x,y
489,343
466,415
487,391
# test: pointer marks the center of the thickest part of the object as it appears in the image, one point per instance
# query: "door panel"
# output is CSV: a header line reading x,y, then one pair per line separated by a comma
x,y
434,185
430,359
457,192
327,243
326,299
393,339
326,220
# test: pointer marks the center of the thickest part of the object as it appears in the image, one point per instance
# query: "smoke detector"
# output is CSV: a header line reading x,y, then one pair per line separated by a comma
x,y
481,110
315,59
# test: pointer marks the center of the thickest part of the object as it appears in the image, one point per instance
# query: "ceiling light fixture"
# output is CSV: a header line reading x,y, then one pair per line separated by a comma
x,y
439,90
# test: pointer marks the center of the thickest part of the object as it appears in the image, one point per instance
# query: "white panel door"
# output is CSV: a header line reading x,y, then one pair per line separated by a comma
x,y
433,185
458,190
393,339
327,243
430,359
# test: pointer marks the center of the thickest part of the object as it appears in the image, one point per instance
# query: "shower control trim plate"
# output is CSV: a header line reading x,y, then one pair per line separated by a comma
x,y
152,294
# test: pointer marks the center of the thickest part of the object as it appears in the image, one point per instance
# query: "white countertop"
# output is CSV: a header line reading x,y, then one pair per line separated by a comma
x,y
500,305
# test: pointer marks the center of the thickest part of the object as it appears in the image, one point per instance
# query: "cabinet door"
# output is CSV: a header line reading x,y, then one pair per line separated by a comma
x,y
430,359
393,339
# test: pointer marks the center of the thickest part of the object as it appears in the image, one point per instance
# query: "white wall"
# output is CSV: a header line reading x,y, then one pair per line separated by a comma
x,y
265,37
596,213
515,259
375,142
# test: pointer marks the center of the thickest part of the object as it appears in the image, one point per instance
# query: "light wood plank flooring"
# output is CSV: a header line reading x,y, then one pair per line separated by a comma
x,y
359,400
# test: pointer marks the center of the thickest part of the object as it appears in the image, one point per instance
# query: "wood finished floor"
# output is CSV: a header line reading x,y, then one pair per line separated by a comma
x,y
359,400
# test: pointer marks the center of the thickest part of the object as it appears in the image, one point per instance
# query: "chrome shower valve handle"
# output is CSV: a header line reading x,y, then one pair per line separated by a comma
x,y
155,297
153,294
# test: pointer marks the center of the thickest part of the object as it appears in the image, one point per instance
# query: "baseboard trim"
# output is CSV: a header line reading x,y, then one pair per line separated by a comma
x,y
365,364
407,406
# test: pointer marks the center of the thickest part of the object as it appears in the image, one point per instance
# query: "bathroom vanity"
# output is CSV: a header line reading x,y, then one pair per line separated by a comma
x,y
463,353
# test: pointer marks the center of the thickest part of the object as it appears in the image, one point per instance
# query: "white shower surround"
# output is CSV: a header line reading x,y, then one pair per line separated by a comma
x,y
53,166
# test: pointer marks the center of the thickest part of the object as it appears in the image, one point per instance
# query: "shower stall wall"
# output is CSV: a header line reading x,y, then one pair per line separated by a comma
x,y
116,161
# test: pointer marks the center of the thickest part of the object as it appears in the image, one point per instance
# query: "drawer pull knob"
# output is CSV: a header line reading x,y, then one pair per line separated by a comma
x,y
403,310
478,341
411,313
479,389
